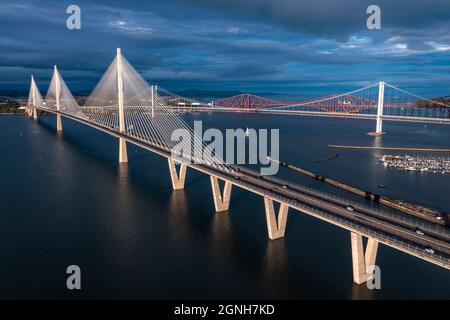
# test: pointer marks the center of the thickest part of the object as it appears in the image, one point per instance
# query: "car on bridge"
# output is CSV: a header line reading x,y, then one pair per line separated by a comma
x,y
420,232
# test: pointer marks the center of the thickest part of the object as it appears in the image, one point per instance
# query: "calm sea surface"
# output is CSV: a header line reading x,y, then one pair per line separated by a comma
x,y
65,200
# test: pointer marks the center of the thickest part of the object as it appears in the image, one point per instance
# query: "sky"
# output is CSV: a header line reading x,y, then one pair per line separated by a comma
x,y
301,47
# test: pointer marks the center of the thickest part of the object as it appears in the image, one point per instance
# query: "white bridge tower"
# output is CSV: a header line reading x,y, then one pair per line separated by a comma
x,y
379,128
123,156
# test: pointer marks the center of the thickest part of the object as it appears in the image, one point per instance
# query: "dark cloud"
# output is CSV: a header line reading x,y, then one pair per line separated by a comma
x,y
257,45
330,18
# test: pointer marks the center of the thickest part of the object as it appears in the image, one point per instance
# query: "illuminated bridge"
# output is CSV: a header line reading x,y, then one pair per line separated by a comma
x,y
126,107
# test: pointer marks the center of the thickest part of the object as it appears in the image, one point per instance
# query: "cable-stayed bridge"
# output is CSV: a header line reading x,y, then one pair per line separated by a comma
x,y
126,107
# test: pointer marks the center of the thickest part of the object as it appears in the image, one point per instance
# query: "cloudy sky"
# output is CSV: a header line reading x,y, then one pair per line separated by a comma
x,y
305,47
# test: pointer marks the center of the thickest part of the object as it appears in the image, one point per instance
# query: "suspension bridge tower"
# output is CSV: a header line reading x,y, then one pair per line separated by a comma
x,y
379,127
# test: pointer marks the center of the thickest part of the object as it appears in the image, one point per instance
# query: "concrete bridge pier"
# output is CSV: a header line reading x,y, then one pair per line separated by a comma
x,y
123,154
58,123
34,113
276,227
363,261
221,201
178,179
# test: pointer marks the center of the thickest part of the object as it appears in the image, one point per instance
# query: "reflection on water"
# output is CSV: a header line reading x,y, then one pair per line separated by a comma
x,y
361,292
377,141
122,174
222,231
66,200
123,219
178,218
222,244
274,269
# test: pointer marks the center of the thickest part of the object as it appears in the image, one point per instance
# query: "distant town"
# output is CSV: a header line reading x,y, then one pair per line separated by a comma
x,y
9,106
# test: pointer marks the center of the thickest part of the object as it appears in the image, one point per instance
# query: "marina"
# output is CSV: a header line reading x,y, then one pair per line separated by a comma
x,y
420,164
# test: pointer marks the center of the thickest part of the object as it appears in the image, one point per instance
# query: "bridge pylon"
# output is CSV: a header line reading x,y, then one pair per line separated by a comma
x,y
57,89
123,155
33,98
363,261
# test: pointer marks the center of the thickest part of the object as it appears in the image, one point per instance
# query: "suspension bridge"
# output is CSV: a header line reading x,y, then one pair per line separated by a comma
x,y
379,101
126,107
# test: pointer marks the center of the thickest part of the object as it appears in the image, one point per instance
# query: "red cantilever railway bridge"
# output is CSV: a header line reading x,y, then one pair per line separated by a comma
x,y
349,103
380,101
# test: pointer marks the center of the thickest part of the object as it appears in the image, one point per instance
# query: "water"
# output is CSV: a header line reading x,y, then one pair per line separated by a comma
x,y
65,200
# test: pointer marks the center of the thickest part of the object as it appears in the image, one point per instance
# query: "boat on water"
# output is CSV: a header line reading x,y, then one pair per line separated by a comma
x,y
330,158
